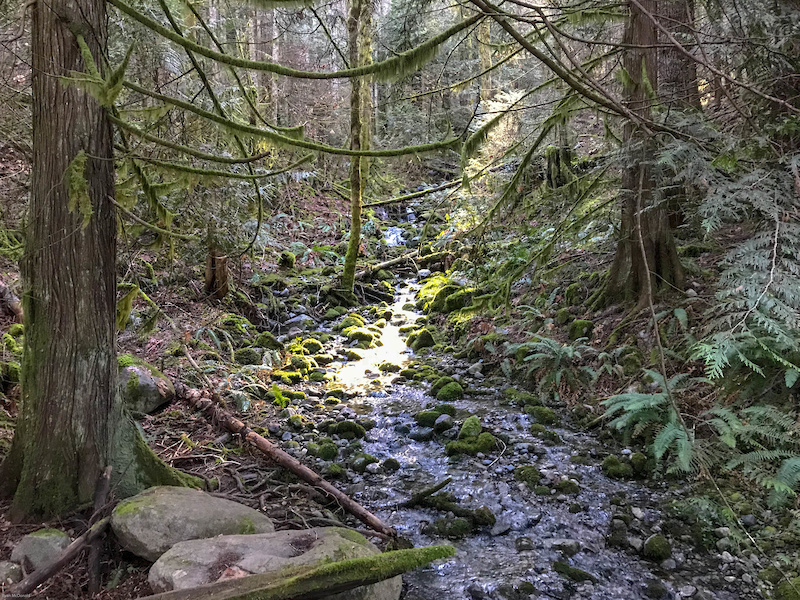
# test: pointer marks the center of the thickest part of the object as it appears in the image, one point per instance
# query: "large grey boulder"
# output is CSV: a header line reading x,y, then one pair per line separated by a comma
x,y
40,548
190,564
144,388
150,523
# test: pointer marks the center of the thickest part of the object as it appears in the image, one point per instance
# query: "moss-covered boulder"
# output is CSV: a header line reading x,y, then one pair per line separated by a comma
x,y
529,475
616,469
323,359
302,364
573,573
564,316
247,356
39,549
543,415
144,388
287,260
351,320
449,392
484,443
787,590
191,564
360,335
567,486
388,367
348,430
361,461
452,528
152,522
458,300
421,338
639,464
471,428
426,418
440,383
325,450
311,346
580,328
657,548
266,340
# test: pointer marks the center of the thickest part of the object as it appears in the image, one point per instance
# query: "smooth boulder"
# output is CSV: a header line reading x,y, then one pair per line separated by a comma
x,y
190,564
150,523
40,548
144,388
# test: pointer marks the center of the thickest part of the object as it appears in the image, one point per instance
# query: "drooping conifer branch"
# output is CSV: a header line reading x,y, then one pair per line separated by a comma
x,y
283,140
186,168
390,69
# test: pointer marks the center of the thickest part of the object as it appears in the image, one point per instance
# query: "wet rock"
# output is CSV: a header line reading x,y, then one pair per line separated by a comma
x,y
656,590
40,548
614,468
687,591
423,273
749,520
197,562
453,529
422,434
10,572
566,546
362,461
443,423
573,573
152,522
502,527
373,468
449,392
391,465
523,544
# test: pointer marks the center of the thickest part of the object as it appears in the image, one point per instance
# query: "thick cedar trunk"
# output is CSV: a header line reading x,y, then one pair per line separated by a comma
x,y
71,424
627,277
677,73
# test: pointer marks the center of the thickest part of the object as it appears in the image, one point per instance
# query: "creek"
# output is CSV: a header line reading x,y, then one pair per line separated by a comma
x,y
515,558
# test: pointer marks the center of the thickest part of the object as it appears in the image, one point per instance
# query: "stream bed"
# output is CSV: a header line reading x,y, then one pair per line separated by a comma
x,y
514,559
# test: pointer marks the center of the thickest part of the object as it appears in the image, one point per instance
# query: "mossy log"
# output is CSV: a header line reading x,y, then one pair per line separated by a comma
x,y
207,405
315,583
387,264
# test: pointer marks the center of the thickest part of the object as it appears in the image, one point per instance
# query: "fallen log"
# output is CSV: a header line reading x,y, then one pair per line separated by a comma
x,y
209,407
418,194
386,264
316,583
38,577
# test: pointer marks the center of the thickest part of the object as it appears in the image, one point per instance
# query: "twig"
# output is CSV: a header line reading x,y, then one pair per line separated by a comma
x,y
420,496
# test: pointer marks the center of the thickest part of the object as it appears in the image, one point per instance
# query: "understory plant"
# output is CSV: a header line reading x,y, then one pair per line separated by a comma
x,y
556,367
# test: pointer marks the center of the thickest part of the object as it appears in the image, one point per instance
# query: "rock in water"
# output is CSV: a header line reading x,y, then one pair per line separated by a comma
x,y
197,562
152,522
40,548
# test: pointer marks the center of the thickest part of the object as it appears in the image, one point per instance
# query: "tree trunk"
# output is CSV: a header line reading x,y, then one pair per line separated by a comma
x,y
627,280
677,73
71,423
358,25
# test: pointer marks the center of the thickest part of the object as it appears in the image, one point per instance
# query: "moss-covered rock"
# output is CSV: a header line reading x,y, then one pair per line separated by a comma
x,y
303,364
471,428
580,328
300,422
360,335
421,338
348,430
543,415
564,316
458,300
440,383
323,359
351,320
286,377
484,443
352,355
287,260
266,340
311,346
453,529
657,548
574,293
247,356
567,486
639,464
616,469
445,409
528,474
573,573
426,418
449,392
388,367
390,465
542,432
361,460
521,398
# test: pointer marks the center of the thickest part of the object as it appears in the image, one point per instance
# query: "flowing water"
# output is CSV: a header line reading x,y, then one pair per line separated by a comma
x,y
514,559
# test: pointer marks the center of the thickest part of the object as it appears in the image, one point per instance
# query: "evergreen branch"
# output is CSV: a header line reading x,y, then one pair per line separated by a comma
x,y
217,173
390,69
769,282
156,228
283,140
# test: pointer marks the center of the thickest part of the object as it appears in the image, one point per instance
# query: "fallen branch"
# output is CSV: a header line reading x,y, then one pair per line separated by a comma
x,y
420,496
316,583
386,264
216,414
38,577
412,195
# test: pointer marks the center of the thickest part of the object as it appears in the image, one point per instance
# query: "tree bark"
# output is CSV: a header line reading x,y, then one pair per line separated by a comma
x,y
72,423
630,269
677,73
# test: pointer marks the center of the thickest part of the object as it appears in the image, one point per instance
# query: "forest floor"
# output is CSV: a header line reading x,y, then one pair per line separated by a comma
x,y
577,512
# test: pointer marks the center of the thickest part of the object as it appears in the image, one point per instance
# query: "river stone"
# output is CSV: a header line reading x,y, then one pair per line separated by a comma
x,y
197,562
40,548
145,388
152,522
10,572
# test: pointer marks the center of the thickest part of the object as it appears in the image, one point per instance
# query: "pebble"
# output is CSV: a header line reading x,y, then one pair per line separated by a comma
x,y
523,544
687,591
727,557
669,564
723,544
286,436
722,532
748,520
374,468
637,512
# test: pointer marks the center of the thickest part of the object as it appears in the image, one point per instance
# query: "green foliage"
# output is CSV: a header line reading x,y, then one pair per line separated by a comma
x,y
556,366
79,199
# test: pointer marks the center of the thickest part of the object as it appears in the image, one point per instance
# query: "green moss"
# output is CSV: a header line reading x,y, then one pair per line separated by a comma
x,y
353,536
327,451
614,468
351,320
266,340
639,464
127,360
49,532
323,359
575,508
528,474
573,573
311,346
348,430
567,486
391,464
426,418
485,442
421,338
300,422
302,363
359,334
451,391
10,372
445,409
458,300
17,330
287,260
12,345
247,356
580,328
452,528
471,428
361,461
440,383
335,470
334,313
236,324
541,490
574,294
286,377
544,433
563,316
657,548
352,355
388,367
543,415
521,398
246,526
